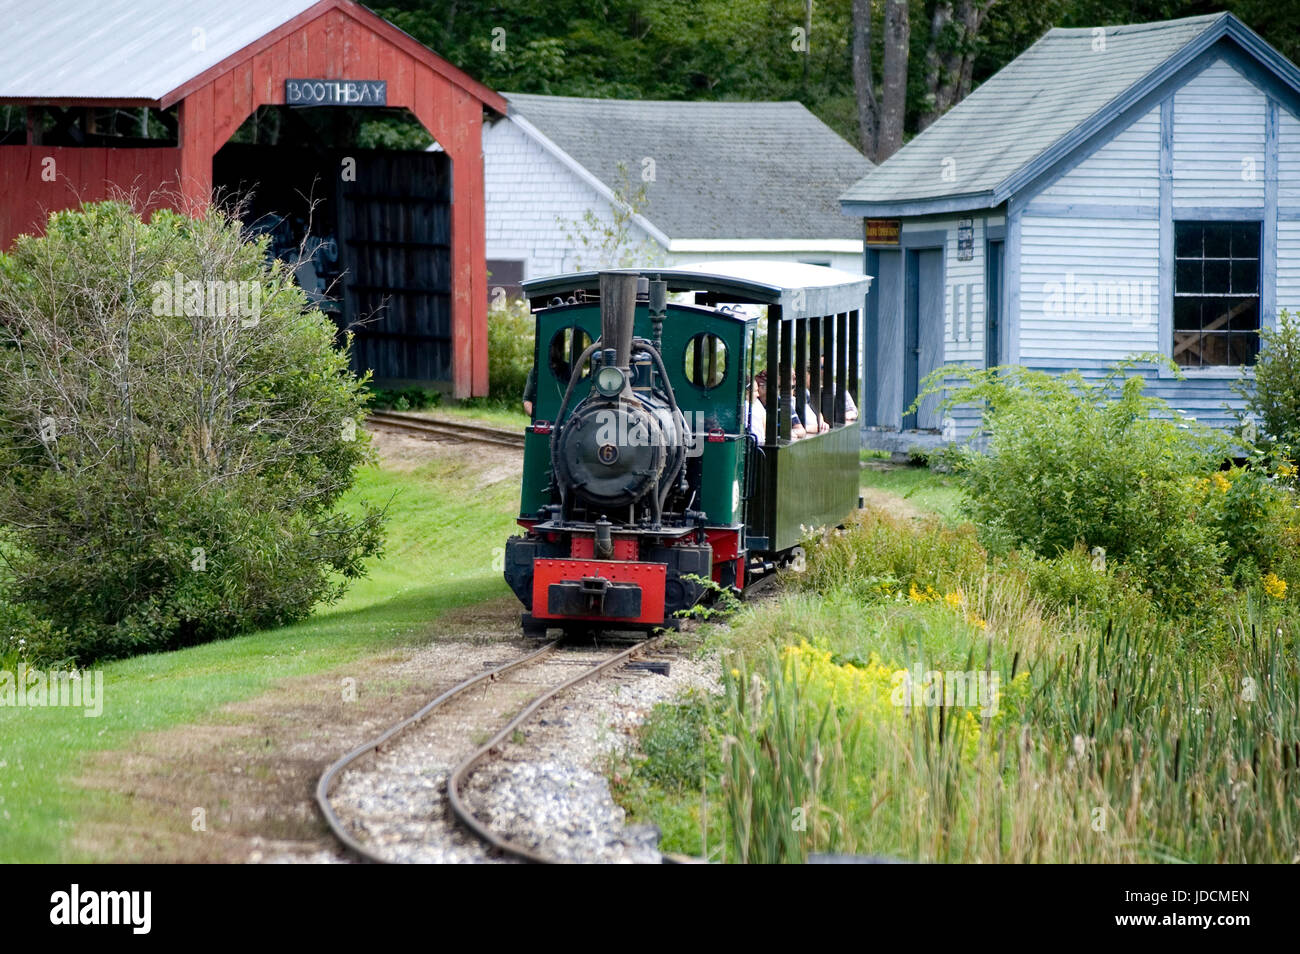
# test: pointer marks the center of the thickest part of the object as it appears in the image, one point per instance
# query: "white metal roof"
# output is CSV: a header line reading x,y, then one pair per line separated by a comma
x,y
777,274
800,289
126,49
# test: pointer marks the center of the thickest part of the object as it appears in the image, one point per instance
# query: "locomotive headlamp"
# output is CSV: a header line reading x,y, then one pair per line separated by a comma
x,y
609,381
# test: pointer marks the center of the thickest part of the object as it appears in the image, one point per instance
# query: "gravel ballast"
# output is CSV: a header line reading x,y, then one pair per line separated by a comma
x,y
545,788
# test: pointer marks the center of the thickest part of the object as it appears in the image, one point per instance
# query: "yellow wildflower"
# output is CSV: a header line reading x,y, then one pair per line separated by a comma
x,y
1221,483
873,693
921,596
1286,470
862,688
955,598
1274,586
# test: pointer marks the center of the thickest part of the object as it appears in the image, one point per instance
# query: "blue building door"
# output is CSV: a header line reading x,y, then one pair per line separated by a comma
x,y
922,333
993,306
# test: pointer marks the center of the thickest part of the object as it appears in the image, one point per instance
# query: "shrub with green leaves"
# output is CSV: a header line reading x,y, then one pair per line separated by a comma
x,y
403,399
24,635
1094,463
1079,581
1273,396
1252,515
177,428
881,556
510,350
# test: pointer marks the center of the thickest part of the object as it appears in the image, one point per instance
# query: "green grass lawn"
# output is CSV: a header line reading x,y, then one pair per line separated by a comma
x,y
442,532
484,411
925,489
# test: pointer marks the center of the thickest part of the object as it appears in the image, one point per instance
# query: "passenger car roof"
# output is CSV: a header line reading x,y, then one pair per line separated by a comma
x,y
799,289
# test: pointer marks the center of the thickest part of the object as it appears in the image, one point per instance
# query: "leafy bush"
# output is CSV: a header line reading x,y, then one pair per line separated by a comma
x,y
24,635
170,464
404,399
1074,579
511,329
1100,464
1252,515
1274,396
1079,581
673,739
880,556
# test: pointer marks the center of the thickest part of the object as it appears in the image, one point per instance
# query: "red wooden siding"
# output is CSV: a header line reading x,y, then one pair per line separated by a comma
x,y
336,39
81,175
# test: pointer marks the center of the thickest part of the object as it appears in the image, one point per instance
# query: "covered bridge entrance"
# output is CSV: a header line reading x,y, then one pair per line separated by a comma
x,y
177,100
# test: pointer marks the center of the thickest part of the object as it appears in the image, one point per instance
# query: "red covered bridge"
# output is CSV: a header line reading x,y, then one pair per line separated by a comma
x,y
276,102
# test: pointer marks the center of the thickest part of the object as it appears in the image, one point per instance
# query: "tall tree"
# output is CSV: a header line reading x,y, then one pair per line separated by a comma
x,y
950,55
893,100
864,84
947,71
881,118
855,72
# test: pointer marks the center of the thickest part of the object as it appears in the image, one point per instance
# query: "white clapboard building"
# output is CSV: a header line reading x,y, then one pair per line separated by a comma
x,y
1110,192
721,180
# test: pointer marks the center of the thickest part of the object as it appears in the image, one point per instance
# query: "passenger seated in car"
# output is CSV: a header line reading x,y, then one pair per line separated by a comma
x,y
816,423
797,431
828,400
755,412
530,391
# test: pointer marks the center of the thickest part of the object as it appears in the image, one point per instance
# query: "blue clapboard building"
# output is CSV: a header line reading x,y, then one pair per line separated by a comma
x,y
1112,191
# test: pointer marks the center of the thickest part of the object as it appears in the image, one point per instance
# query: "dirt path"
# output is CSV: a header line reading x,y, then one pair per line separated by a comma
x,y
404,451
251,767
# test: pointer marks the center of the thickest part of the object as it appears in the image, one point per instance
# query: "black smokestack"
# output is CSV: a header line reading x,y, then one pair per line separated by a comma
x,y
617,311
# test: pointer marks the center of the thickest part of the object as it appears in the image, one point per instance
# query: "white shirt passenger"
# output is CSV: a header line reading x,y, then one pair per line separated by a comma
x,y
757,420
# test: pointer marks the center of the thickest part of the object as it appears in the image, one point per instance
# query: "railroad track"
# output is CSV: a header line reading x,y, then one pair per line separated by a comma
x,y
448,430
444,704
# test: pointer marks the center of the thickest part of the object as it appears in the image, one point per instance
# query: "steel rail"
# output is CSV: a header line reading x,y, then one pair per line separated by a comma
x,y
457,431
326,780
461,811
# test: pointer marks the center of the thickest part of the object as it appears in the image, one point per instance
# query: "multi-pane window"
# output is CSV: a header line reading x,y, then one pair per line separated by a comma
x,y
1216,293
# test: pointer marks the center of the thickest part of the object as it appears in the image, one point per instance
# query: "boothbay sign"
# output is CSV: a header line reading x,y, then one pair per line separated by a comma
x,y
328,92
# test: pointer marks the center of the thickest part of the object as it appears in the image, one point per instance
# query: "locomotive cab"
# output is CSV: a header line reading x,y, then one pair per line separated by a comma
x,y
646,481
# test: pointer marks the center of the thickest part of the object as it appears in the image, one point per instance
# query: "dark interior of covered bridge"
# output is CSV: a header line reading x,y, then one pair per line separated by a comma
x,y
355,200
